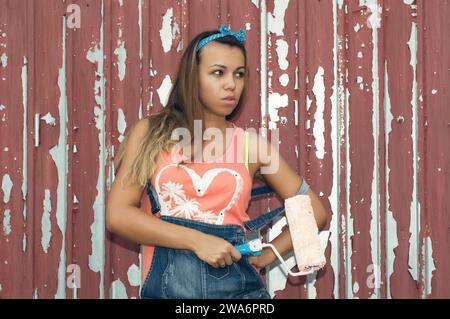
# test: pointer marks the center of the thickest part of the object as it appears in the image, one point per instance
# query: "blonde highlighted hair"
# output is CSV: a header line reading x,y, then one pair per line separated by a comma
x,y
183,107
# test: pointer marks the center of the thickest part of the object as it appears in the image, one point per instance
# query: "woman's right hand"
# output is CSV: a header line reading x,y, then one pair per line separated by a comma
x,y
216,251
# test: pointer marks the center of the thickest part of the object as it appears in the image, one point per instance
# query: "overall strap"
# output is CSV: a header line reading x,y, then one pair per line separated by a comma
x,y
253,224
153,197
262,220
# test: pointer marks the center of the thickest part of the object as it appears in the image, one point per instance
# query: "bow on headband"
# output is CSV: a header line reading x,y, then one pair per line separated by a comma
x,y
224,31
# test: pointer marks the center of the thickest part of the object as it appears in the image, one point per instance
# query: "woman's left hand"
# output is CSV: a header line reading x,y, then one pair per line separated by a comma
x,y
261,261
256,261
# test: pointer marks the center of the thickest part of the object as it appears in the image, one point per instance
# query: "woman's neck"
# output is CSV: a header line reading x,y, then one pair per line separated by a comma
x,y
218,122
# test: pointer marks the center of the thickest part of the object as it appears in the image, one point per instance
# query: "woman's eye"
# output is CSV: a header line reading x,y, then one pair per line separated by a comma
x,y
238,74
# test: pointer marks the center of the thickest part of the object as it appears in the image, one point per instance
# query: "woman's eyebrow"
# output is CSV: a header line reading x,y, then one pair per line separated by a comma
x,y
224,67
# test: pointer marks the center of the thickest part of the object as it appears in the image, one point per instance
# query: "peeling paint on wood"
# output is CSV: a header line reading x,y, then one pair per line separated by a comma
x,y
357,89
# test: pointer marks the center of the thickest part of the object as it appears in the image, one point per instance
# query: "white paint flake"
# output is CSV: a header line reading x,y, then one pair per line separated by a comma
x,y
46,225
282,52
414,224
276,19
118,290
391,223
121,125
4,60
166,31
7,185
96,258
134,275
319,124
7,222
430,266
284,79
275,102
49,119
59,154
121,54
164,90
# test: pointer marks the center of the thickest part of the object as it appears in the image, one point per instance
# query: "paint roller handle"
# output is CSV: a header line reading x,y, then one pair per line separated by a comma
x,y
253,247
283,262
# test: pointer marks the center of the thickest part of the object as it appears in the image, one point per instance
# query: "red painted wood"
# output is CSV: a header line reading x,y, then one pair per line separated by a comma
x,y
35,31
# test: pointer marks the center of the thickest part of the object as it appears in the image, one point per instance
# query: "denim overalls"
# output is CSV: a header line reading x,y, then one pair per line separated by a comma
x,y
180,274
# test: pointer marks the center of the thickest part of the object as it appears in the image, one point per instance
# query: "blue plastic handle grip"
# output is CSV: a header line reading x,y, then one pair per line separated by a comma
x,y
245,249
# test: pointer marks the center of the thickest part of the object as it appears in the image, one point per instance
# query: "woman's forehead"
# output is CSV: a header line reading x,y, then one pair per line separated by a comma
x,y
221,54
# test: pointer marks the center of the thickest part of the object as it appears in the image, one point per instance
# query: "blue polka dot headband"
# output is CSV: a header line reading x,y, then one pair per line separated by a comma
x,y
224,31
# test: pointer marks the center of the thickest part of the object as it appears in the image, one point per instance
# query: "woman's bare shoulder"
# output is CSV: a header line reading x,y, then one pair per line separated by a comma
x,y
140,128
253,150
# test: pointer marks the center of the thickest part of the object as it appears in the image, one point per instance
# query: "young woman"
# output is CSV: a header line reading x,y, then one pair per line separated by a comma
x,y
203,202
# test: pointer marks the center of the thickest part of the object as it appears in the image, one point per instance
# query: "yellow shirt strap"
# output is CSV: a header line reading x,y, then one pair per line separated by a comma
x,y
246,149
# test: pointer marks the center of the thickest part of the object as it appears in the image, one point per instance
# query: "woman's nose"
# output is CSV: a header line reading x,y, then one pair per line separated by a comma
x,y
230,82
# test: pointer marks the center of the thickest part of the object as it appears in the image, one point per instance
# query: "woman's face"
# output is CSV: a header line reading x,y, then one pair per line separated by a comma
x,y
221,78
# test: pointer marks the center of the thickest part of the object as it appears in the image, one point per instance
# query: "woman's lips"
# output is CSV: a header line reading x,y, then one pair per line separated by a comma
x,y
229,101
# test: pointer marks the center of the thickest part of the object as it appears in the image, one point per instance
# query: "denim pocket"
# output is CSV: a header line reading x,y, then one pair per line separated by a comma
x,y
182,278
218,273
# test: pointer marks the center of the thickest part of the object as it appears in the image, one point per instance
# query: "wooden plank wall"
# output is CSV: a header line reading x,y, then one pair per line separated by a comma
x,y
357,89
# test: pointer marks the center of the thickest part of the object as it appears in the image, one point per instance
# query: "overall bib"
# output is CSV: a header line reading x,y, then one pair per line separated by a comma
x,y
179,273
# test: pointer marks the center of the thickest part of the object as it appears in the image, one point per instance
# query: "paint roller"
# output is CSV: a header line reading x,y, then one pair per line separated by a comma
x,y
304,234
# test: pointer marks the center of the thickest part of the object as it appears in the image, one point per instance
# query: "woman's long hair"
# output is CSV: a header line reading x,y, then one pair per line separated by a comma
x,y
183,107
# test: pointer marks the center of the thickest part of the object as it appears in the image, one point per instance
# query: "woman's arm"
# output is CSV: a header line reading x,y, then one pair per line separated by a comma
x,y
285,182
283,242
125,218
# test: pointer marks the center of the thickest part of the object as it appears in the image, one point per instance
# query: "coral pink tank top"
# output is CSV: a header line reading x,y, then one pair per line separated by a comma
x,y
216,192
